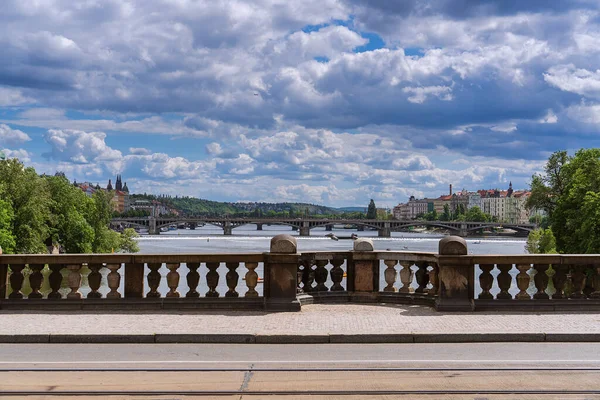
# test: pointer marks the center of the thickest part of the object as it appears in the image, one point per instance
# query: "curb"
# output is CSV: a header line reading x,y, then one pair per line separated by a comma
x,y
303,339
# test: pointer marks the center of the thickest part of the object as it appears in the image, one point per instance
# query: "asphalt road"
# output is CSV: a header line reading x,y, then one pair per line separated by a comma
x,y
377,371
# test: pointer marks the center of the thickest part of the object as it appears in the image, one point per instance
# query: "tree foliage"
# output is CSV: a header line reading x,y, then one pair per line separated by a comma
x,y
38,211
541,241
569,191
372,210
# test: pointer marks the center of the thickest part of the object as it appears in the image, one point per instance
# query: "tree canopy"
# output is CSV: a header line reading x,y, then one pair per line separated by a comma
x,y
39,211
569,191
372,210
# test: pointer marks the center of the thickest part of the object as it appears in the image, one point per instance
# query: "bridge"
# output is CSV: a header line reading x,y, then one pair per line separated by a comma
x,y
304,225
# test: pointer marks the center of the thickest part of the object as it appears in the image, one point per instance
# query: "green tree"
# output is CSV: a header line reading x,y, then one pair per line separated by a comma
x,y
445,216
476,215
541,241
569,192
7,239
127,242
372,210
29,198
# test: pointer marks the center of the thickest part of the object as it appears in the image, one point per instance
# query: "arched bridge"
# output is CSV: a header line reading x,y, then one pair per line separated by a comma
x,y
304,225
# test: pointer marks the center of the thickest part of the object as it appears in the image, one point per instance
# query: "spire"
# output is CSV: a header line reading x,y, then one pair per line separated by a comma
x,y
510,190
118,184
125,188
109,187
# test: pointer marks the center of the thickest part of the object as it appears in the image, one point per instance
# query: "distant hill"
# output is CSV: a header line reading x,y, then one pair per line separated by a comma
x,y
194,206
352,209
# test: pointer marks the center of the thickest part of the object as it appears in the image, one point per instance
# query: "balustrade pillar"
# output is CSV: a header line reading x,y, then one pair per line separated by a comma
x,y
321,276
3,279
523,280
308,276
193,279
153,279
486,280
35,280
560,280
406,277
94,281
337,274
281,269
114,281
363,266
16,281
232,279
578,278
212,279
456,276
134,280
596,283
541,281
55,279
251,279
504,282
422,277
74,280
390,275
433,278
173,279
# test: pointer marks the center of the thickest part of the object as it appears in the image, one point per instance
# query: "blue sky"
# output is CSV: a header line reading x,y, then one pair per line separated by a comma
x,y
323,101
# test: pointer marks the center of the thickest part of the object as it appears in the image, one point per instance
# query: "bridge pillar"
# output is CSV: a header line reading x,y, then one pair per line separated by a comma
x,y
193,225
152,229
329,227
463,232
304,231
361,228
227,229
385,231
259,227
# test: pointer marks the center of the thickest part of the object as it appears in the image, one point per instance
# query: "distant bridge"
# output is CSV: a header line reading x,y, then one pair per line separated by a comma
x,y
304,225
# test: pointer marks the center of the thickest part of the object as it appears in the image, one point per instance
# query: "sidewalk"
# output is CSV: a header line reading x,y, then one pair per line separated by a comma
x,y
340,323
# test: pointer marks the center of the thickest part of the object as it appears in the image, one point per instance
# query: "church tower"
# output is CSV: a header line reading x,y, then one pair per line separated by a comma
x,y
109,187
125,188
509,192
118,184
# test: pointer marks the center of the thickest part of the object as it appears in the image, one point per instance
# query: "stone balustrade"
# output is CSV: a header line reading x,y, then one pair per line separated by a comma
x,y
283,279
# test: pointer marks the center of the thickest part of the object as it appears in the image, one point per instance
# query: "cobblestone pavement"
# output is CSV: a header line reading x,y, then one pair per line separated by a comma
x,y
312,320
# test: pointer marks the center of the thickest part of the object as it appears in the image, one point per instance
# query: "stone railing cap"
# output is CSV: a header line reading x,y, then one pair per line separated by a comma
x,y
453,246
363,244
284,244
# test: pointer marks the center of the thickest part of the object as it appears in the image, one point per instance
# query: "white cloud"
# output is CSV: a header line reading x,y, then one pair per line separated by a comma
x,y
13,97
22,155
80,147
11,137
575,80
140,151
420,94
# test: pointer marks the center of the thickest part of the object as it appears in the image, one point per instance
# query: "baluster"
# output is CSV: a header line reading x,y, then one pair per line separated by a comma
x,y
504,282
16,281
523,280
433,278
55,280
337,274
193,279
232,278
94,280
212,279
541,281
321,276
173,279
390,275
578,279
114,280
251,279
35,281
560,280
486,280
308,276
74,280
596,283
422,277
153,279
406,277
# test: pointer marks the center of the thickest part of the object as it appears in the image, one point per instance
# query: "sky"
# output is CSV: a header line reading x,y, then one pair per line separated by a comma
x,y
321,101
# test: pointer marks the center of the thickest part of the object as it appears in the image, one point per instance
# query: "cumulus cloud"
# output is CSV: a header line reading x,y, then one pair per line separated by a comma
x,y
12,137
140,151
79,147
575,80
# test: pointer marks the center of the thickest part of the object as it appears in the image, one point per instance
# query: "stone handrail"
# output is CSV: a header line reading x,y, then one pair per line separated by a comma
x,y
450,280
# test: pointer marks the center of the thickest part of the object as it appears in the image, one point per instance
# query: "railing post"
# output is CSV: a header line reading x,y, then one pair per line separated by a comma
x,y
281,274
134,280
363,270
456,290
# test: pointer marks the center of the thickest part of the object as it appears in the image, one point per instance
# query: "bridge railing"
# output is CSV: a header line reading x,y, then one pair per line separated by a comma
x,y
284,279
